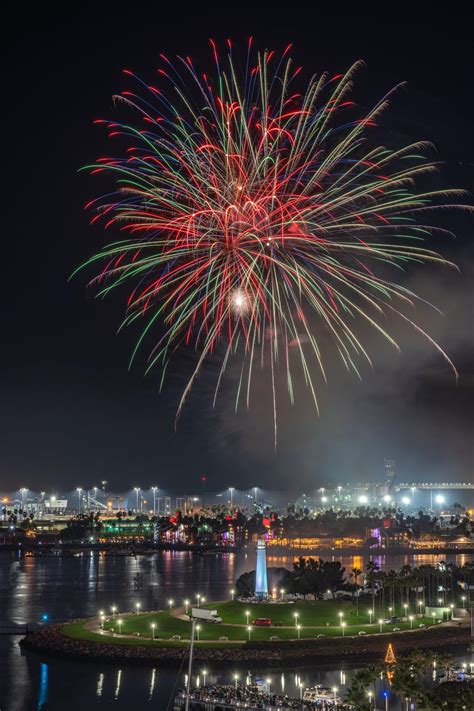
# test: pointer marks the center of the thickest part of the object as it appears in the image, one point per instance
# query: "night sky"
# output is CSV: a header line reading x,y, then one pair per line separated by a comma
x,y
71,412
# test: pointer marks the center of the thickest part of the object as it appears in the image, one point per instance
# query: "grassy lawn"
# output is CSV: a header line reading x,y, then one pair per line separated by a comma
x,y
311,619
312,613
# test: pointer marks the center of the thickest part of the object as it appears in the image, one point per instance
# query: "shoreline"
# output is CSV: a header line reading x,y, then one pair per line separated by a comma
x,y
51,642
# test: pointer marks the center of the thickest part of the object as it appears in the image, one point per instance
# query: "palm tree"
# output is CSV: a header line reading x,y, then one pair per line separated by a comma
x,y
355,573
372,569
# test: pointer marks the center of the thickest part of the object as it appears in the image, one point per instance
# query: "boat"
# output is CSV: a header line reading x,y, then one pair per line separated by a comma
x,y
319,694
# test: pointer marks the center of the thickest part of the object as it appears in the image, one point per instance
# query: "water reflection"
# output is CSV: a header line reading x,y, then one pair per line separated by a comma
x,y
43,688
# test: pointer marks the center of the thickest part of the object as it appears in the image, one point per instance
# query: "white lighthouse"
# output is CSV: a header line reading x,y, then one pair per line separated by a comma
x,y
261,584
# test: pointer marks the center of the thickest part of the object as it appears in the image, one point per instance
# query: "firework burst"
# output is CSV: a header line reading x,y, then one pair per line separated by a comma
x,y
251,211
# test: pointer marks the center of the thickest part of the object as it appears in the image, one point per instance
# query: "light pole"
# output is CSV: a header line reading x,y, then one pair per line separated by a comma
x,y
170,603
232,594
451,607
410,617
114,610
186,606
343,626
153,625
137,491
79,497
381,624
247,615
463,598
198,598
154,490
282,592
137,607
120,623
236,678
249,630
296,615
298,627
371,612
334,691
198,629
269,682
204,674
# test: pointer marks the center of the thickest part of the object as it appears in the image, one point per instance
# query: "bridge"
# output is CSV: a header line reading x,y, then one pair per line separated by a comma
x,y
435,486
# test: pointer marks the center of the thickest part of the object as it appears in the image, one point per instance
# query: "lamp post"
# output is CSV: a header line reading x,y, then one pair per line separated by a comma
x,y
451,607
120,623
170,603
102,619
247,615
154,490
186,606
137,607
249,630
381,624
114,610
198,629
298,627
198,598
153,625
282,592
463,598
334,691
269,682
371,612
204,674
236,678
296,615
232,594
343,627
410,617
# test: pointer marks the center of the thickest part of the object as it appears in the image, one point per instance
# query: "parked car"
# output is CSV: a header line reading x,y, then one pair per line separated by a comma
x,y
396,629
274,638
262,622
362,632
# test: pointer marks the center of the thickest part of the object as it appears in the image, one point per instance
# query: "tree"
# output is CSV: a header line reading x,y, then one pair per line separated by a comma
x,y
355,573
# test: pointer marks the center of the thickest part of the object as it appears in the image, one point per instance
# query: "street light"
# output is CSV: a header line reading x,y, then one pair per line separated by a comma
x,y
137,491
371,612
120,623
381,624
410,617
154,490
198,598
170,603
296,615
137,607
247,615
153,625
186,605
334,691
236,678
269,682
198,629
114,610
463,598
249,630
298,627
204,674
451,607
343,626
282,592
232,594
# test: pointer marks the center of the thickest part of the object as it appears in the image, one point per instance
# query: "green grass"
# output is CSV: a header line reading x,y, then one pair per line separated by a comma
x,y
315,617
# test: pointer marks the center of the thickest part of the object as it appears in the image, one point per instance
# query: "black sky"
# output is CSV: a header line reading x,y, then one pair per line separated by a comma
x,y
71,413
